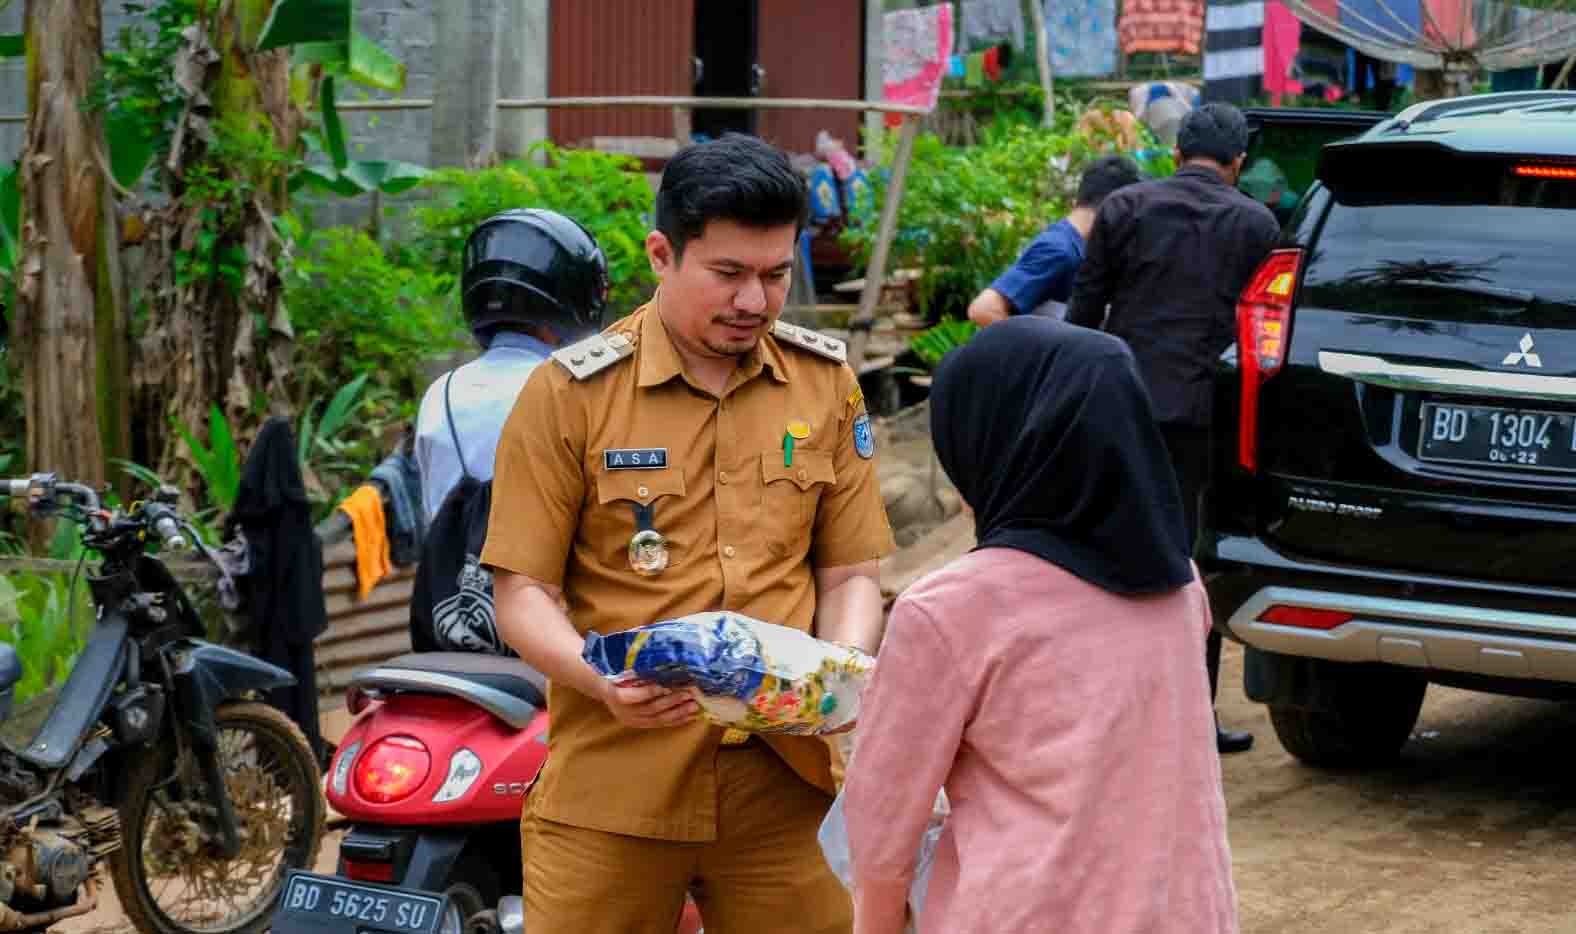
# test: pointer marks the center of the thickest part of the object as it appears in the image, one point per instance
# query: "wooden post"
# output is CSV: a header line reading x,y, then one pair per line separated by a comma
x,y
1565,73
859,327
1042,55
683,124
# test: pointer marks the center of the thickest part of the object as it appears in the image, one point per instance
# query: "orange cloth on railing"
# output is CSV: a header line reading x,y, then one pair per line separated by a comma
x,y
365,509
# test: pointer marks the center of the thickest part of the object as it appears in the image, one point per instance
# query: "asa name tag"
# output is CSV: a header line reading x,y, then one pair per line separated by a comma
x,y
635,458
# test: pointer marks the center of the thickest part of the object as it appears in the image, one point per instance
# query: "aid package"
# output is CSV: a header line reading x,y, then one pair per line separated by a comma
x,y
745,674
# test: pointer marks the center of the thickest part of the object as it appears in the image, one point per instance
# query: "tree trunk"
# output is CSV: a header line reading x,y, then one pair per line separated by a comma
x,y
71,322
219,330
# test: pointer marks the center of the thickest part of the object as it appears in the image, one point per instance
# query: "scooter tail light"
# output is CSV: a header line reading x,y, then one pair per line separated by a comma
x,y
363,871
392,769
1263,327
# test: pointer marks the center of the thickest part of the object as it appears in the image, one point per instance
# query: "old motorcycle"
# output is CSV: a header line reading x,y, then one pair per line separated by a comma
x,y
151,759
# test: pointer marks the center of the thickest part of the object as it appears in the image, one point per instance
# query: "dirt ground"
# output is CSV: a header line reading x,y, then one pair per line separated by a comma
x,y
1472,832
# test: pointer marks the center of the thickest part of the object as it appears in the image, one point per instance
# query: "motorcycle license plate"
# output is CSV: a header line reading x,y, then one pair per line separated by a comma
x,y
318,904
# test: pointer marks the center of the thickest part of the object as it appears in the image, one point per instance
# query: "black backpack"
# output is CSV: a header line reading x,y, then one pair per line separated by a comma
x,y
451,608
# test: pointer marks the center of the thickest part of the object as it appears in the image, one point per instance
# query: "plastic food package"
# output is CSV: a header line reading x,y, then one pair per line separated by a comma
x,y
833,837
745,674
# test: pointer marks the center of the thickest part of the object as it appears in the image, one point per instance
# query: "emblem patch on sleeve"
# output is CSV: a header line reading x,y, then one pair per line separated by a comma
x,y
864,437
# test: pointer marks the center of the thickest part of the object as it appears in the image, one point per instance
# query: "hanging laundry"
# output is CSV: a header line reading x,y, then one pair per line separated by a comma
x,y
1162,26
995,60
974,70
284,587
987,22
1282,38
1385,22
916,45
1448,23
370,530
1082,37
1234,50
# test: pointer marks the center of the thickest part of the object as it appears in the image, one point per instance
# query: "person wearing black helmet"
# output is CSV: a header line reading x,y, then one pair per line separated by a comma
x,y
1165,263
531,280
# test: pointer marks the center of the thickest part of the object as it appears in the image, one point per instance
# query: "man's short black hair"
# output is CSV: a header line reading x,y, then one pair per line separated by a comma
x,y
1103,176
738,178
1215,131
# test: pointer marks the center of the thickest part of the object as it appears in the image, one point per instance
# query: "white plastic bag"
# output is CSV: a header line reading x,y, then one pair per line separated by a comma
x,y
833,837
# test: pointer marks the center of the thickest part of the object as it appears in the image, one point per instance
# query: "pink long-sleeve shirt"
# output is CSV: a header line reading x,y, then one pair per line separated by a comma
x,y
1072,729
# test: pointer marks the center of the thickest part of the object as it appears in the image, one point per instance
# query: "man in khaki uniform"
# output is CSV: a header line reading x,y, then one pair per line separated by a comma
x,y
696,456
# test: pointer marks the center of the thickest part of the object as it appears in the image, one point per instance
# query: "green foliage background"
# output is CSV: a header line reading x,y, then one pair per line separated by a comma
x,y
605,192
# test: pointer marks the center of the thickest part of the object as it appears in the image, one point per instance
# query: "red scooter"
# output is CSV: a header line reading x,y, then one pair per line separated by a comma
x,y
433,774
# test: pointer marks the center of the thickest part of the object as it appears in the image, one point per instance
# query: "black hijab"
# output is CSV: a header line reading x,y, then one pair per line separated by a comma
x,y
1049,435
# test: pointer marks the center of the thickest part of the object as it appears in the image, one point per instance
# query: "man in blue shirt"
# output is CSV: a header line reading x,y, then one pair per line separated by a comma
x,y
1041,281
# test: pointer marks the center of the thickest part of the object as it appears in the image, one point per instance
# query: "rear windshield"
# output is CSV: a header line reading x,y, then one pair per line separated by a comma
x,y
1468,252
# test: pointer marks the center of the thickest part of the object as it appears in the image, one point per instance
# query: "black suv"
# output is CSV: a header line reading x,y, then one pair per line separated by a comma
x,y
1395,485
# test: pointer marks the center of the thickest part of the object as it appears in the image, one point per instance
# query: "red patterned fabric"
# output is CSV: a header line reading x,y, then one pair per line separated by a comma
x,y
1161,26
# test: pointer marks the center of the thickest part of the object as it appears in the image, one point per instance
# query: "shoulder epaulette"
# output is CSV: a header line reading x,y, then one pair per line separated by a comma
x,y
806,339
586,358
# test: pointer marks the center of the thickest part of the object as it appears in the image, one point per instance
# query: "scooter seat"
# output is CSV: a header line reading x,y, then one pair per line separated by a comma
x,y
470,675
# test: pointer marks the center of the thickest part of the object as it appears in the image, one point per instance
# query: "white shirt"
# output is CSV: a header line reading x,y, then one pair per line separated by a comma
x,y
481,395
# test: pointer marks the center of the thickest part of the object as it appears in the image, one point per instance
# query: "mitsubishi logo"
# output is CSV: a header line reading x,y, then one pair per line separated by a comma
x,y
1523,356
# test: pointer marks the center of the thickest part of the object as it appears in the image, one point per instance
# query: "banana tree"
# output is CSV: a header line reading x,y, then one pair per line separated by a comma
x,y
219,331
68,318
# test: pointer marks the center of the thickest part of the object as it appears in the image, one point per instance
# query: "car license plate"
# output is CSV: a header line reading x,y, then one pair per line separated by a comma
x,y
313,904
1489,436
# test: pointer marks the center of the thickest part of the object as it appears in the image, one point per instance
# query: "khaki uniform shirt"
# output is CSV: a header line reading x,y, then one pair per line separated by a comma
x,y
745,531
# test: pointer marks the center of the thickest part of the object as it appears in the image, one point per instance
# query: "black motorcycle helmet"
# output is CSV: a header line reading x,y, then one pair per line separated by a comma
x,y
533,267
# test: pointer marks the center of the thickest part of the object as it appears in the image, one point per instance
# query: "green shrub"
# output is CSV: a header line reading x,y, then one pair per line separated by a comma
x,y
48,629
355,312
605,192
968,212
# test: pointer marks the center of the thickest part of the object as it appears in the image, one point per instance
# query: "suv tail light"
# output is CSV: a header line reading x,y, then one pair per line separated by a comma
x,y
1304,617
1564,172
1263,325
392,769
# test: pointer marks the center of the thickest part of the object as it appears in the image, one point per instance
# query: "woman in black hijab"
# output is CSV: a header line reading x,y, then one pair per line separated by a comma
x,y
1051,680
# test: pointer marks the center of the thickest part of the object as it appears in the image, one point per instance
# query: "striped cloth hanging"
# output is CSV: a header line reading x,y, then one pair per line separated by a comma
x,y
1233,50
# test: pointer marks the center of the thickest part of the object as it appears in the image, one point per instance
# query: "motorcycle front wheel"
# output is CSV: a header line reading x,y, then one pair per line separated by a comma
x,y
168,872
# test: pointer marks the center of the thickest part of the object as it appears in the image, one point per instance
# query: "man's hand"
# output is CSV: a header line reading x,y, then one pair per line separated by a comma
x,y
646,706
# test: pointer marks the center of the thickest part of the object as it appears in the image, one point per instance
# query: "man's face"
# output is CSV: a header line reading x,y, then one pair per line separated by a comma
x,y
729,288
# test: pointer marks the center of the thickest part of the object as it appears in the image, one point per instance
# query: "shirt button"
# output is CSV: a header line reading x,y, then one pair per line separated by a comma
x,y
804,475
642,492
722,476
728,552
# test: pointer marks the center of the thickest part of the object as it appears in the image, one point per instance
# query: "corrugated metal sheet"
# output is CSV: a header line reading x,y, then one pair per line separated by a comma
x,y
618,47
360,632
812,49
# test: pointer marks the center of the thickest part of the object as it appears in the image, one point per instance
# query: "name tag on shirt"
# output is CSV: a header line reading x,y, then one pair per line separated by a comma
x,y
635,458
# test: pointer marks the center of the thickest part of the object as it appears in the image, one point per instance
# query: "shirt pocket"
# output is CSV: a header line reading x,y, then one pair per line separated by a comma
x,y
611,520
791,494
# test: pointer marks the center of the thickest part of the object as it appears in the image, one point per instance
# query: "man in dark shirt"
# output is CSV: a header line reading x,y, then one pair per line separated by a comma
x,y
1040,282
1169,258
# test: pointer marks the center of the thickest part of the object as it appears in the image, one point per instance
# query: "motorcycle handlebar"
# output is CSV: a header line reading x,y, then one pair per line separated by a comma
x,y
169,532
15,486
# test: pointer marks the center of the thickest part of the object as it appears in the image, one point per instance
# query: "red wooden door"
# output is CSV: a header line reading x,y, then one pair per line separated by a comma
x,y
814,49
609,48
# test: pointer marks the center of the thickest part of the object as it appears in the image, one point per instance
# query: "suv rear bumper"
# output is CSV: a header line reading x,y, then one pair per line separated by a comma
x,y
1472,627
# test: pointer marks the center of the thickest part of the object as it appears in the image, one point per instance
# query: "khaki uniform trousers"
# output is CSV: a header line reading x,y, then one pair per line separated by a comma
x,y
764,873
